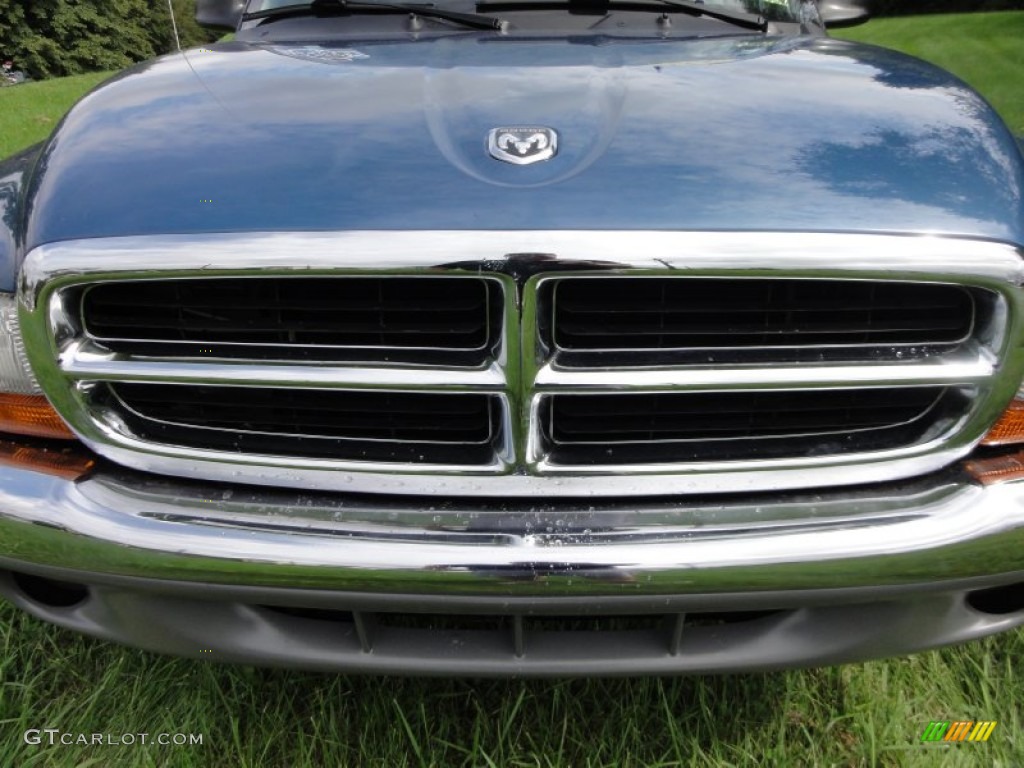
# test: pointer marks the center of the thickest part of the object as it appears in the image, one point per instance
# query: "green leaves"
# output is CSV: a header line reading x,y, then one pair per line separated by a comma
x,y
53,38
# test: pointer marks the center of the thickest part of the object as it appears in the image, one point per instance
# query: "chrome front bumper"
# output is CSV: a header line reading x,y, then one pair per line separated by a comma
x,y
133,524
179,566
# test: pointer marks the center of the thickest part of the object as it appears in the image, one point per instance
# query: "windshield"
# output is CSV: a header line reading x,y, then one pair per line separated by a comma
x,y
771,10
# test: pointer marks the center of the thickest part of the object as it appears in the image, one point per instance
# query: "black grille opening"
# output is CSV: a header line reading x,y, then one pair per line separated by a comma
x,y
999,601
442,622
356,425
706,319
50,592
610,623
443,320
313,614
507,635
473,622
724,618
699,426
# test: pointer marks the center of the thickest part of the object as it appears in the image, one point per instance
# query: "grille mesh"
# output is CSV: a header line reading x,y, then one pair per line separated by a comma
x,y
684,426
667,314
367,318
370,425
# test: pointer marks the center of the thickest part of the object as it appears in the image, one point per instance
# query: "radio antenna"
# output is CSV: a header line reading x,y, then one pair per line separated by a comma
x,y
174,25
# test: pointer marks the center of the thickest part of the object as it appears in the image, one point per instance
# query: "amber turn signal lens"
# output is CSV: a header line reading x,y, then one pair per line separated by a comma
x,y
1009,428
70,464
997,469
31,415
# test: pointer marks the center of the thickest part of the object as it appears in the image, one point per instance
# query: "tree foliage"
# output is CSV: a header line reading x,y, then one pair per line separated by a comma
x,y
52,38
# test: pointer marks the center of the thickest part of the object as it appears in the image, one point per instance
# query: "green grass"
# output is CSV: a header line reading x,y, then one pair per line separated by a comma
x,y
30,111
984,49
857,715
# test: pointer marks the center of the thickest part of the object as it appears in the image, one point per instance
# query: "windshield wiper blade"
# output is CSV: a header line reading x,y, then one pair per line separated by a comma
x,y
739,19
474,20
747,20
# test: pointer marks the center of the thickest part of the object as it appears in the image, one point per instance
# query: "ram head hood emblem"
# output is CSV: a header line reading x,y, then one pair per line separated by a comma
x,y
522,144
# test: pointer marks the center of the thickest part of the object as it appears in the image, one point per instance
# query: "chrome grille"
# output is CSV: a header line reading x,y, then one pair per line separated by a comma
x,y
550,364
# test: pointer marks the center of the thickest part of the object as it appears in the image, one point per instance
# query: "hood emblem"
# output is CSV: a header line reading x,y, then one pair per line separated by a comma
x,y
522,144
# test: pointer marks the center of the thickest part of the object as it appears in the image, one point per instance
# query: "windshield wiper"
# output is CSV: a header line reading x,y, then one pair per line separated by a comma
x,y
746,20
317,7
738,18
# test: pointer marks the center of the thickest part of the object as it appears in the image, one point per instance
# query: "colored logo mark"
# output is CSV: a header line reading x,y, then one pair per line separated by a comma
x,y
958,730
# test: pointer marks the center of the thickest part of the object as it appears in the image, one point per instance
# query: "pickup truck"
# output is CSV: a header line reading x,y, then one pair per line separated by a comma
x,y
518,337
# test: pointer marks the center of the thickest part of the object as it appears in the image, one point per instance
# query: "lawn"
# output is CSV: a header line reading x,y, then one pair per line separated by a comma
x,y
30,111
984,49
857,715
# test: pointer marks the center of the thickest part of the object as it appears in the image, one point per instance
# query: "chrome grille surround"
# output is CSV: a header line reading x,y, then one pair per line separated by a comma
x,y
522,370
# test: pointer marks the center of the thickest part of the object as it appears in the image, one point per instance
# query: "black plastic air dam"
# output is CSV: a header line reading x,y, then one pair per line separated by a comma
x,y
483,643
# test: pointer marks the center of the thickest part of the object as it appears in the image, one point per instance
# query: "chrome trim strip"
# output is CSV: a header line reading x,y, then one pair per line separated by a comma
x,y
521,373
791,253
500,480
958,368
232,535
83,361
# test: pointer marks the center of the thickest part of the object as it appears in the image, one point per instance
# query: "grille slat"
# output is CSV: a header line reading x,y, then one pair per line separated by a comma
x,y
271,332
659,315
701,306
672,327
147,299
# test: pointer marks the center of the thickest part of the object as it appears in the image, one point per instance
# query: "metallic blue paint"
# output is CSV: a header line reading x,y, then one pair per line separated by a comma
x,y
13,173
744,133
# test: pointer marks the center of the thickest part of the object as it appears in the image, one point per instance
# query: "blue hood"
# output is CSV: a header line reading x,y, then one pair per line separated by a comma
x,y
745,133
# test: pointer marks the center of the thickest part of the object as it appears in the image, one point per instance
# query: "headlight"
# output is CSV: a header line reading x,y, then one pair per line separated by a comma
x,y
23,409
